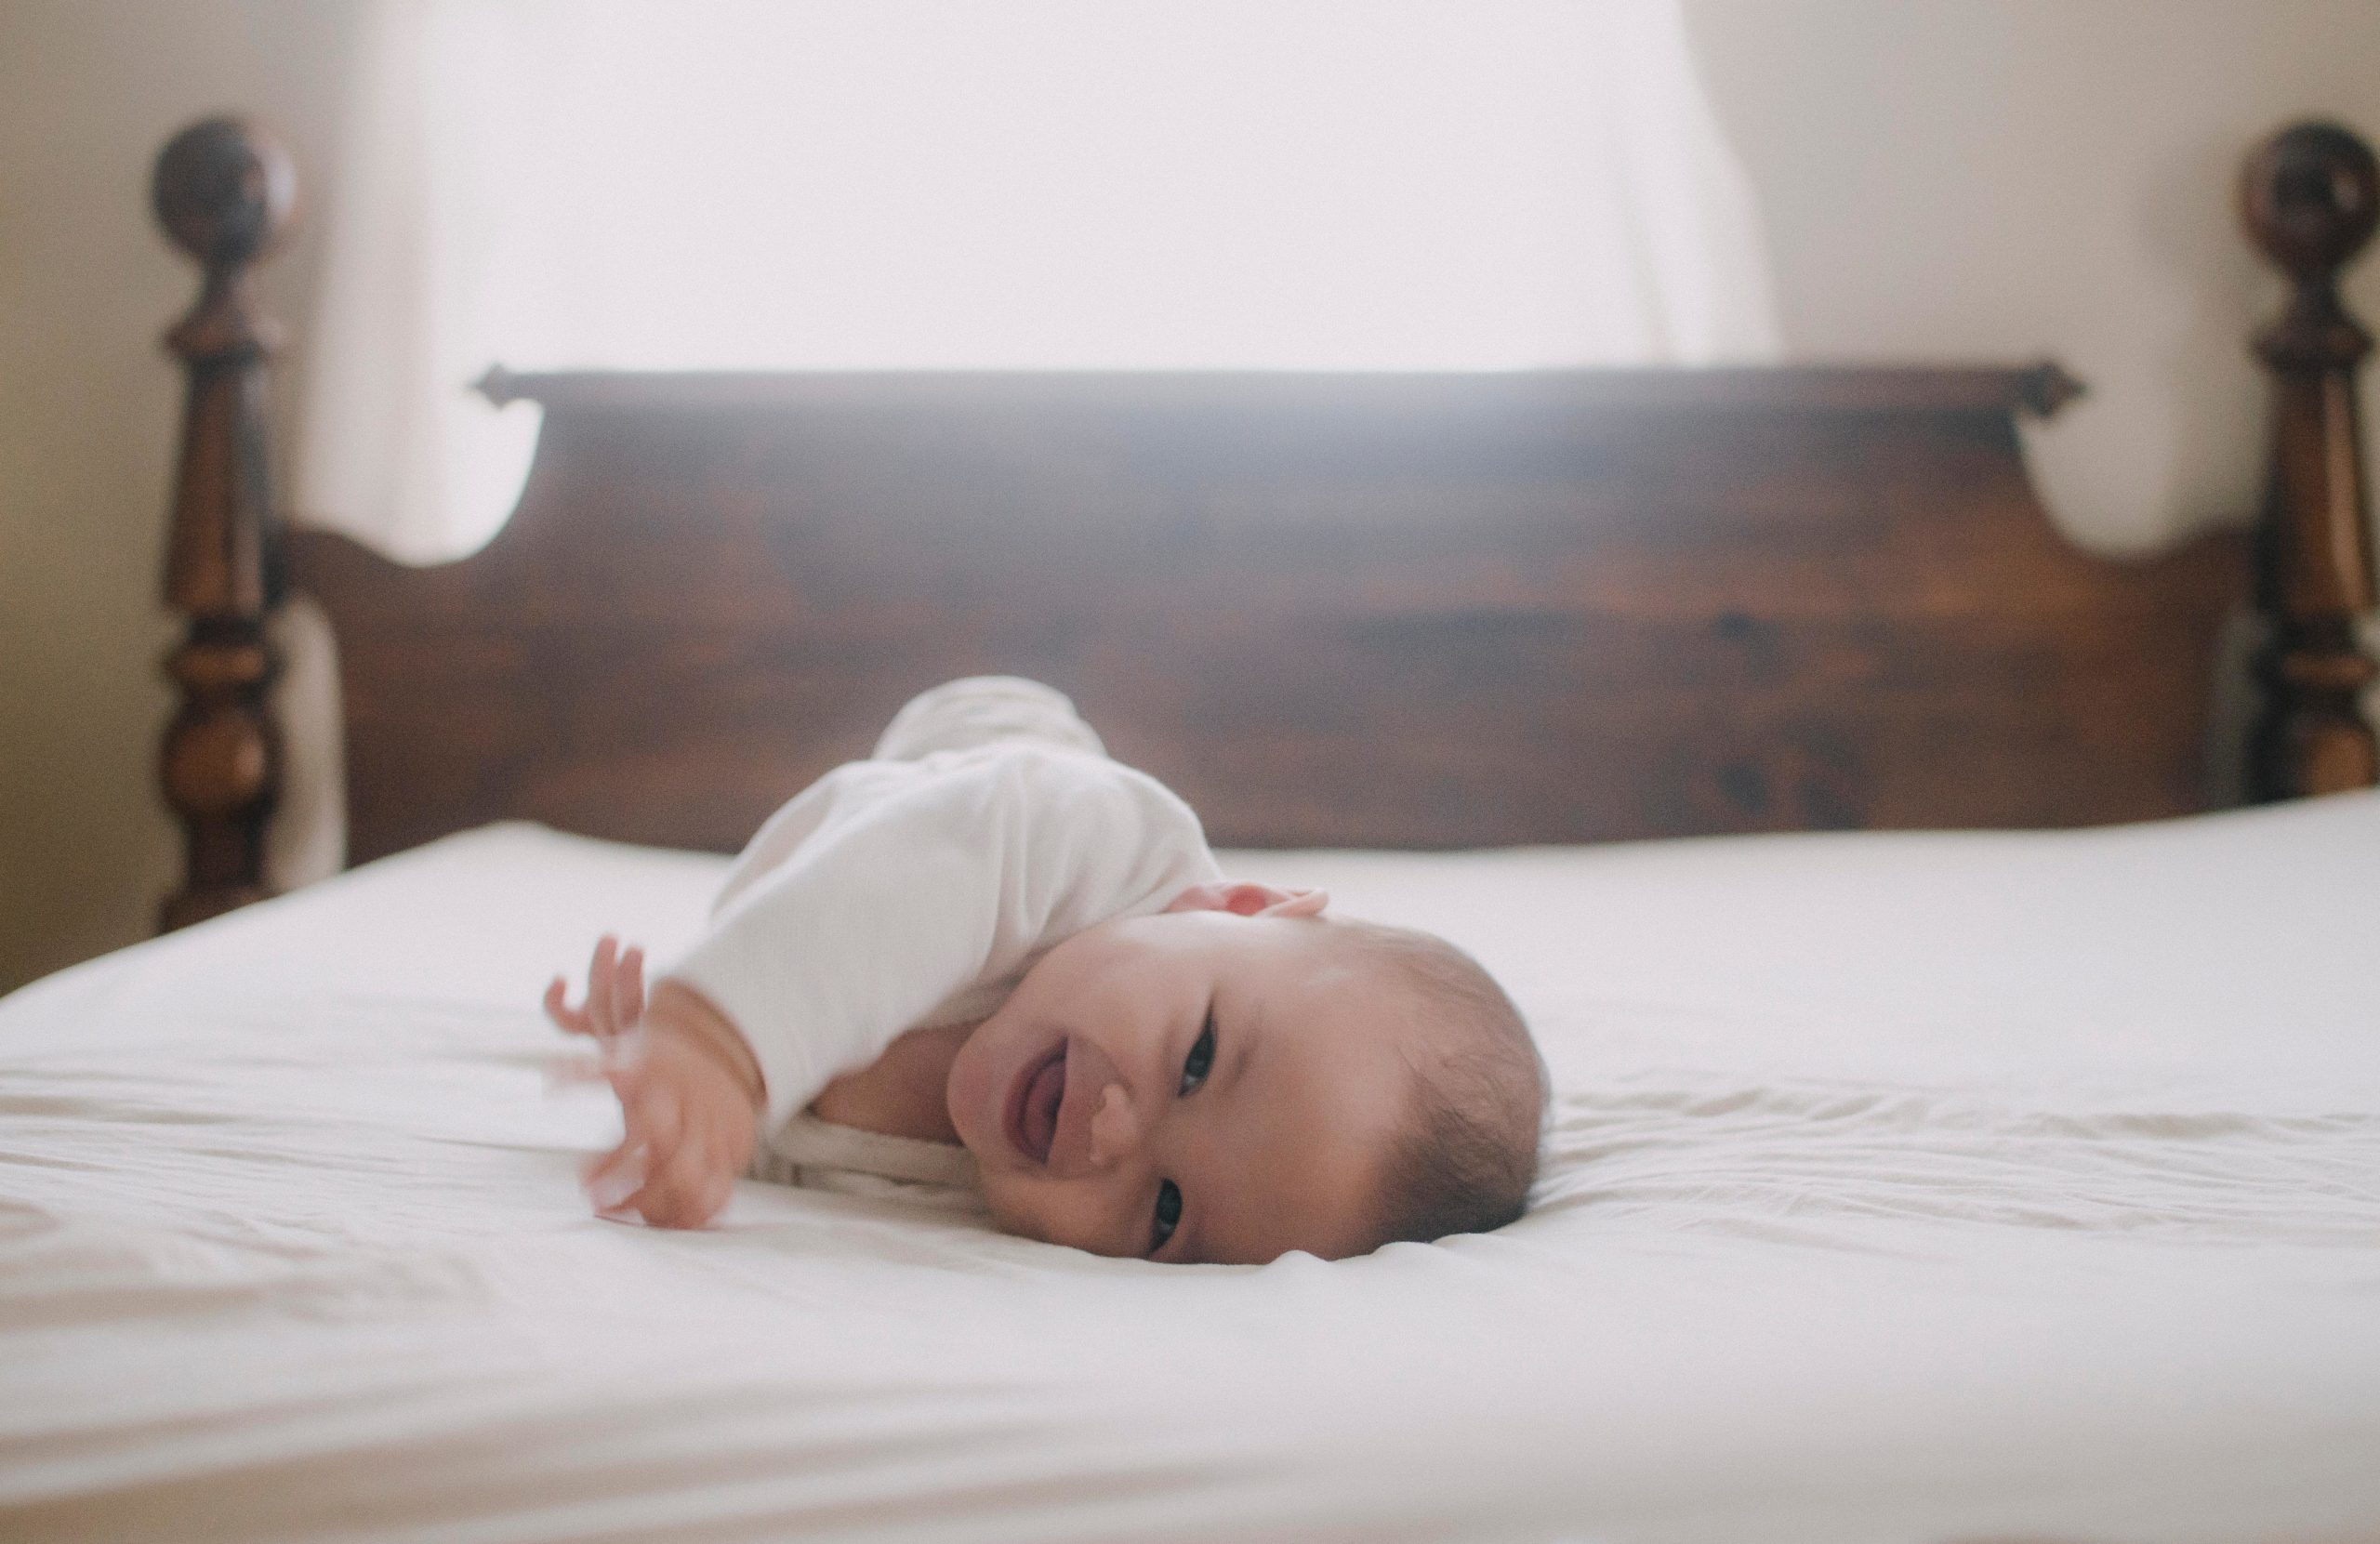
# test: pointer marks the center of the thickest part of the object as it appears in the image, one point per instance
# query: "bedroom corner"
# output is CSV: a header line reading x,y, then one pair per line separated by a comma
x,y
90,405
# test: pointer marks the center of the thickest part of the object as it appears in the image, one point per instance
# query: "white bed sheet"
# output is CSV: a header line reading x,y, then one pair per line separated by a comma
x,y
1904,1187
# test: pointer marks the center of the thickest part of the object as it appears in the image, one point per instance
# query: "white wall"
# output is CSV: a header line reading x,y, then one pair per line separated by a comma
x,y
1940,178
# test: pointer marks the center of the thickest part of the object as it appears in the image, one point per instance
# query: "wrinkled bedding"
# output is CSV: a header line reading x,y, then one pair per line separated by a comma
x,y
1901,1187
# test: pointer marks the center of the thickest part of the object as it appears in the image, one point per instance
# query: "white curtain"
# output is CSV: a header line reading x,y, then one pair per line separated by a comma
x,y
1033,184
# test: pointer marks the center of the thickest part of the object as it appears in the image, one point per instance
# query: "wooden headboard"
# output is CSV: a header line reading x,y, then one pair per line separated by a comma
x,y
1385,611
1416,610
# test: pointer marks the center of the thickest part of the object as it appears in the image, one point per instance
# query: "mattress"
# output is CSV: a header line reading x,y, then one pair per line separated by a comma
x,y
1900,1187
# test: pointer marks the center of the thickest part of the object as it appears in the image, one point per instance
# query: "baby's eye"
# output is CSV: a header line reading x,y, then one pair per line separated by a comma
x,y
1201,1059
1168,1214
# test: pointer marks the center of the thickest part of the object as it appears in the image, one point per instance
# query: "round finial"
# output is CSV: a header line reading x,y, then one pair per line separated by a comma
x,y
223,189
2311,194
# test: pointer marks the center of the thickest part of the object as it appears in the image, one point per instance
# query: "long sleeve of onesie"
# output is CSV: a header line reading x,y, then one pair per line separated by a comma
x,y
894,894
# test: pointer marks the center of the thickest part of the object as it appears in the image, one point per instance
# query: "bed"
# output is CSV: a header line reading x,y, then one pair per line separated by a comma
x,y
1904,1186
1903,1183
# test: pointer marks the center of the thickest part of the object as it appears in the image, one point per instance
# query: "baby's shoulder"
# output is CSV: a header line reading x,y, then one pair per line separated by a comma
x,y
1029,763
1056,786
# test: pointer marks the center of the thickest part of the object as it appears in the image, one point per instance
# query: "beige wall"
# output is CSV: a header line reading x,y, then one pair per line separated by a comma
x,y
1939,177
88,90
1978,178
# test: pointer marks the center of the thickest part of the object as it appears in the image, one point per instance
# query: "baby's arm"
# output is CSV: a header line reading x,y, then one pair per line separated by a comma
x,y
954,877
688,1088
898,899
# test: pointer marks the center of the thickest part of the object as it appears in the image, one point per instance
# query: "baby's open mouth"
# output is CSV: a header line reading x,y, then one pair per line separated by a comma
x,y
1033,1106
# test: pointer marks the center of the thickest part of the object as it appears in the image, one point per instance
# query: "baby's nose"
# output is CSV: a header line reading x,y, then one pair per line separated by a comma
x,y
1114,1131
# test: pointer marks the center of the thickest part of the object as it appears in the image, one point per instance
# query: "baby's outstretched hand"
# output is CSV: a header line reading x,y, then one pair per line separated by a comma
x,y
687,1087
687,1131
614,994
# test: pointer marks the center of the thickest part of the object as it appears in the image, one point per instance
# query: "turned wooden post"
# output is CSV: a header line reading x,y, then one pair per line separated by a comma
x,y
223,190
2310,196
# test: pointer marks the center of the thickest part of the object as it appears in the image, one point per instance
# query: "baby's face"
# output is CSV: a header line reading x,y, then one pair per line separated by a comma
x,y
1200,1084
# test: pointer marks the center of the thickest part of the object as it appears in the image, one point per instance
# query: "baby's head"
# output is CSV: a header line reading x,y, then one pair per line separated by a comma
x,y
1244,1074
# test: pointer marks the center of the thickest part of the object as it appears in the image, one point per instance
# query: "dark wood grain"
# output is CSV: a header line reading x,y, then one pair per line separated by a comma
x,y
2310,196
1378,610
223,190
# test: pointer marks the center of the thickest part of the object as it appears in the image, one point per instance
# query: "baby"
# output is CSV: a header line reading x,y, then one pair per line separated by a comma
x,y
991,968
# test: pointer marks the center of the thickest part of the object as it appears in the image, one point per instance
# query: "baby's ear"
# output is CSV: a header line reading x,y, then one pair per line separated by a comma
x,y
1297,903
1251,899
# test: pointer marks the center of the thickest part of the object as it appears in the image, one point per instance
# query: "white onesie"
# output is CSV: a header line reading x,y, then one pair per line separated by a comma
x,y
916,888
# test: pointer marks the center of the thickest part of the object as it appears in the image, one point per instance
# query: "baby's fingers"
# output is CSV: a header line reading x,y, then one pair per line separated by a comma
x,y
600,986
611,1179
650,1113
650,1130
685,1192
629,1001
570,1019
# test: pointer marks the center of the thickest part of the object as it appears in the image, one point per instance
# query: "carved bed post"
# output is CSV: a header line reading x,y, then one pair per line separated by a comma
x,y
223,190
2310,196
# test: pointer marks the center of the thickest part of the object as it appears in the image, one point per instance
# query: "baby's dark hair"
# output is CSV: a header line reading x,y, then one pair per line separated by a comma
x,y
1469,1152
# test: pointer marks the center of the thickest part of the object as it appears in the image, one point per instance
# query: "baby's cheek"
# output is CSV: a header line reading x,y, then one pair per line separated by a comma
x,y
1040,1209
1010,1200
